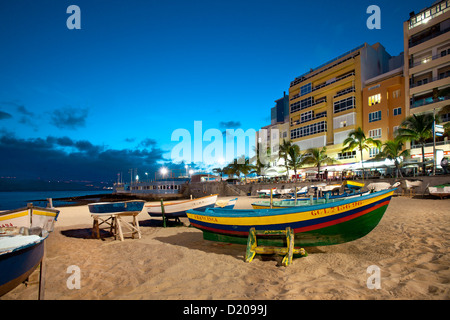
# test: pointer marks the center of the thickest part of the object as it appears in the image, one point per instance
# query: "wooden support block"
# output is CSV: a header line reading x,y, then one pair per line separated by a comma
x,y
288,251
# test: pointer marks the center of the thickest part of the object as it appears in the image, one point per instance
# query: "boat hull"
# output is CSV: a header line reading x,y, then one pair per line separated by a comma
x,y
16,266
178,209
30,217
318,225
440,191
116,207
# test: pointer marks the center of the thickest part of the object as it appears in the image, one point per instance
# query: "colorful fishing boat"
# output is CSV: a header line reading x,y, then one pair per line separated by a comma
x,y
20,255
30,217
317,225
131,206
173,210
289,203
440,191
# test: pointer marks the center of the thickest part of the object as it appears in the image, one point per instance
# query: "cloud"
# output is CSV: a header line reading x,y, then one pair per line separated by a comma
x,y
62,158
69,118
146,143
230,124
4,115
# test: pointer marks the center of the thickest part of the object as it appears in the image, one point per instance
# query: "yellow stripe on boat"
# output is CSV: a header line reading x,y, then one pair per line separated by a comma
x,y
13,215
288,218
44,213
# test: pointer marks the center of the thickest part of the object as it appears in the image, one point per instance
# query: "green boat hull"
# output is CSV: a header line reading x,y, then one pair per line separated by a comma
x,y
335,234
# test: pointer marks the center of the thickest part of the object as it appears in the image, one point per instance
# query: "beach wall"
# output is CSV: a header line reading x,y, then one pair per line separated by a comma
x,y
198,189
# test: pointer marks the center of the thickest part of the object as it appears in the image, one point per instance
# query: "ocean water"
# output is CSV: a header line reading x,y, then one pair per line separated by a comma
x,y
18,199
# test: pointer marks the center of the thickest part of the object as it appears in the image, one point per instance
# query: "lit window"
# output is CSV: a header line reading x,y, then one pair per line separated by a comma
x,y
374,99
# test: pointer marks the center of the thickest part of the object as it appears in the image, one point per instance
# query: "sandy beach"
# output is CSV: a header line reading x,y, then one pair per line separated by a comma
x,y
411,247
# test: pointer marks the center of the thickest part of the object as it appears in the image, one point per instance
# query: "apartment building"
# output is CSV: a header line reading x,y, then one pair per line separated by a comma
x,y
326,102
383,99
427,65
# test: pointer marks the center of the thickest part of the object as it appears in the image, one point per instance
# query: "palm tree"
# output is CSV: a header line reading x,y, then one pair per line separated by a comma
x,y
357,140
295,158
418,128
318,157
220,171
284,153
238,166
392,150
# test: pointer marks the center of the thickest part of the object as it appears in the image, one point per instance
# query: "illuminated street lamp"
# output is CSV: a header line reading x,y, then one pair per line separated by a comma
x,y
163,171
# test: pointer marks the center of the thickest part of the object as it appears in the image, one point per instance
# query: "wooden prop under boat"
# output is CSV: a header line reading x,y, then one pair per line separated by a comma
x,y
178,209
317,225
30,217
20,255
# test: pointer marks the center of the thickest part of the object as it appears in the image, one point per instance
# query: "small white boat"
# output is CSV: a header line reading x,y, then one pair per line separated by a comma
x,y
440,191
30,217
174,210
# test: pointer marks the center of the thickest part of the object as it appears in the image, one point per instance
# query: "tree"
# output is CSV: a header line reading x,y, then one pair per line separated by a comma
x,y
295,158
393,150
318,157
220,171
357,140
238,166
418,128
284,153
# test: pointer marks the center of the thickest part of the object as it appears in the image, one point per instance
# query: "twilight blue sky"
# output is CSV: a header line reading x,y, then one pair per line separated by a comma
x,y
86,104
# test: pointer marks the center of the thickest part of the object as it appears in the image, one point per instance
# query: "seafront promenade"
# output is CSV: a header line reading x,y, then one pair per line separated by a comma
x,y
224,189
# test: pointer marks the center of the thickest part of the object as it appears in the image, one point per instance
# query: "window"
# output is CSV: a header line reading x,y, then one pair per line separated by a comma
x,y
375,116
344,104
396,93
302,104
374,99
307,116
309,130
375,133
395,130
346,155
397,111
373,152
305,89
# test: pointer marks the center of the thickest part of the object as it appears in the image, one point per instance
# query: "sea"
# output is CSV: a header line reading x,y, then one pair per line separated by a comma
x,y
18,199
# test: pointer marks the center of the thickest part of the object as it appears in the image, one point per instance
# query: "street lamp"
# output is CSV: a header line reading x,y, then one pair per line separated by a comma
x,y
163,171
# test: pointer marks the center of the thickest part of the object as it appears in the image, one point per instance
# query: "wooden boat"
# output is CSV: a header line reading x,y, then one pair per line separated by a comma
x,y
132,206
226,204
317,225
440,191
20,255
174,210
378,186
289,203
353,184
30,217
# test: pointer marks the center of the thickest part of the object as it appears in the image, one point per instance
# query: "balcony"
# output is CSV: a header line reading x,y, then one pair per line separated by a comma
x,y
421,83
323,85
308,119
427,101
